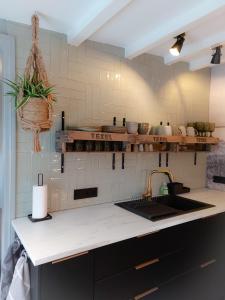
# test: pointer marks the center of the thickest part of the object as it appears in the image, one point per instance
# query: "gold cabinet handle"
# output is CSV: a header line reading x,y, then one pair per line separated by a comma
x,y
208,263
148,292
147,263
69,257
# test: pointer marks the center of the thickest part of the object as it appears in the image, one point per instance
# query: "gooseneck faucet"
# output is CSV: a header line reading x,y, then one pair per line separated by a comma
x,y
148,191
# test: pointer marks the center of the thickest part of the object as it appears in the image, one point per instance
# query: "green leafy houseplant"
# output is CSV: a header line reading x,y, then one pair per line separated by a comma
x,y
25,89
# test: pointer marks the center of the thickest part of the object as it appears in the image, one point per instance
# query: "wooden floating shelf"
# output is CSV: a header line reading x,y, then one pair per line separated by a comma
x,y
95,136
149,139
200,140
64,137
145,139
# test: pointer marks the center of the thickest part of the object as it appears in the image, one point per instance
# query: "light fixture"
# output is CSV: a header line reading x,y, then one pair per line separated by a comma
x,y
216,57
176,48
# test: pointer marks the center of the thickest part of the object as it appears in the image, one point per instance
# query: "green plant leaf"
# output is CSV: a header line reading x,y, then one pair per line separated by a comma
x,y
32,87
23,102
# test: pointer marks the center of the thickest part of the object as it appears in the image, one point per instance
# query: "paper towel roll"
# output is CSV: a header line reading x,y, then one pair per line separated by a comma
x,y
40,202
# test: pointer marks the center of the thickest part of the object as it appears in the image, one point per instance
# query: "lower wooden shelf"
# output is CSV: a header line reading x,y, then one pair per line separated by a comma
x,y
66,142
64,137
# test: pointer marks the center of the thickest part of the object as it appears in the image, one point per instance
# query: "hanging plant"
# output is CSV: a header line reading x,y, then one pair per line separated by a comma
x,y
32,92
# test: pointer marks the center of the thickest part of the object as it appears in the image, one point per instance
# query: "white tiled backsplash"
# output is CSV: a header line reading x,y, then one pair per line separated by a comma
x,y
94,83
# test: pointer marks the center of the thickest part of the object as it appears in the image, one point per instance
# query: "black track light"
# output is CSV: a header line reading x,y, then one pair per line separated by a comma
x,y
176,48
216,57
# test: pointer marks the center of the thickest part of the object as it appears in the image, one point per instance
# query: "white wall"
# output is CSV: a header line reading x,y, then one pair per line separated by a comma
x,y
217,99
95,83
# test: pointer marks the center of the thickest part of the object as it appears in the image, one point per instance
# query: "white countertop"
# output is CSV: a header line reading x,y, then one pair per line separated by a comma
x,y
77,230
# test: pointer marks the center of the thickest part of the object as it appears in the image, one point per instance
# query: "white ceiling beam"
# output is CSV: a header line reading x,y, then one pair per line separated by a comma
x,y
168,30
203,62
95,20
191,49
200,63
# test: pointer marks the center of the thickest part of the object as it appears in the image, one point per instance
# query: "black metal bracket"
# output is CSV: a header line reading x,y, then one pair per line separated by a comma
x,y
113,161
160,159
62,128
195,158
63,120
167,159
62,162
123,161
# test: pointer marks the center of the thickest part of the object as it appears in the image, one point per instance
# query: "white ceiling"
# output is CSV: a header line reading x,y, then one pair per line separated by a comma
x,y
140,26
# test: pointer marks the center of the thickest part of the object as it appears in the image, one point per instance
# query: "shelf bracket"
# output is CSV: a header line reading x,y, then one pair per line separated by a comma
x,y
167,159
113,161
123,161
62,162
195,158
62,128
160,159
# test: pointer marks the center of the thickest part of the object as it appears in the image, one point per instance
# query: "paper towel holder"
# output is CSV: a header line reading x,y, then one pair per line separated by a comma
x,y
48,217
40,179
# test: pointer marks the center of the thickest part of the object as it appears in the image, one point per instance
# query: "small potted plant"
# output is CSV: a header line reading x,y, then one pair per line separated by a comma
x,y
33,102
28,91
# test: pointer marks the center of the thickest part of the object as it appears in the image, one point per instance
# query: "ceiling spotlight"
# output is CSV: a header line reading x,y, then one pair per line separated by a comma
x,y
216,57
176,48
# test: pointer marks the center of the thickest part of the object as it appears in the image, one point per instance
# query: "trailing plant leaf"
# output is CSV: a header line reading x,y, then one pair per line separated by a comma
x,y
23,102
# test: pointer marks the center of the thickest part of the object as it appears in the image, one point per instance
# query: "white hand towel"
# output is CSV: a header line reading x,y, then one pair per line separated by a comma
x,y
20,286
8,267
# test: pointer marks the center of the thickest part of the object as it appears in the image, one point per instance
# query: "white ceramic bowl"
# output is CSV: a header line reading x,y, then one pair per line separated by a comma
x,y
132,127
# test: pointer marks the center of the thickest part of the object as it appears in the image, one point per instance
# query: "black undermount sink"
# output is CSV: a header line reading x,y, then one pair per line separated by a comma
x,y
158,208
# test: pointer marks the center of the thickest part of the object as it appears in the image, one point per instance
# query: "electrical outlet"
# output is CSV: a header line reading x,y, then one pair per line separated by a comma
x,y
85,193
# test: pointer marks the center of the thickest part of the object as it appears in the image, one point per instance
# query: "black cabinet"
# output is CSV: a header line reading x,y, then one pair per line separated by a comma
x,y
70,279
185,262
178,253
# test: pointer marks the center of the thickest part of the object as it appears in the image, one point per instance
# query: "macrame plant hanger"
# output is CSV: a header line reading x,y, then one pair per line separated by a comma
x,y
36,114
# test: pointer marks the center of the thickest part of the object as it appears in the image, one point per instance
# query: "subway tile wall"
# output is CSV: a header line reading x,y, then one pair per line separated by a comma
x,y
94,83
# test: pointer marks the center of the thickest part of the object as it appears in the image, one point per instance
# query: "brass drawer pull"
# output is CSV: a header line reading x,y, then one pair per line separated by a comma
x,y
206,264
147,263
146,234
142,295
69,257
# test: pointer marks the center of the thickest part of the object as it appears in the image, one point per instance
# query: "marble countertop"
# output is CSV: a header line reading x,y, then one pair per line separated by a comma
x,y
77,230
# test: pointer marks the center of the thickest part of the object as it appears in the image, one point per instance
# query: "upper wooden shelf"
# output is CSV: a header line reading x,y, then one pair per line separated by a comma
x,y
69,136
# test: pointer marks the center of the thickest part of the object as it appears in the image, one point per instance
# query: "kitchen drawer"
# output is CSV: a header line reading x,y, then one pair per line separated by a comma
x,y
148,275
203,283
118,257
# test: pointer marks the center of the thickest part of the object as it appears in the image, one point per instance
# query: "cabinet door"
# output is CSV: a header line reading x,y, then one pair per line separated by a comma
x,y
70,279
